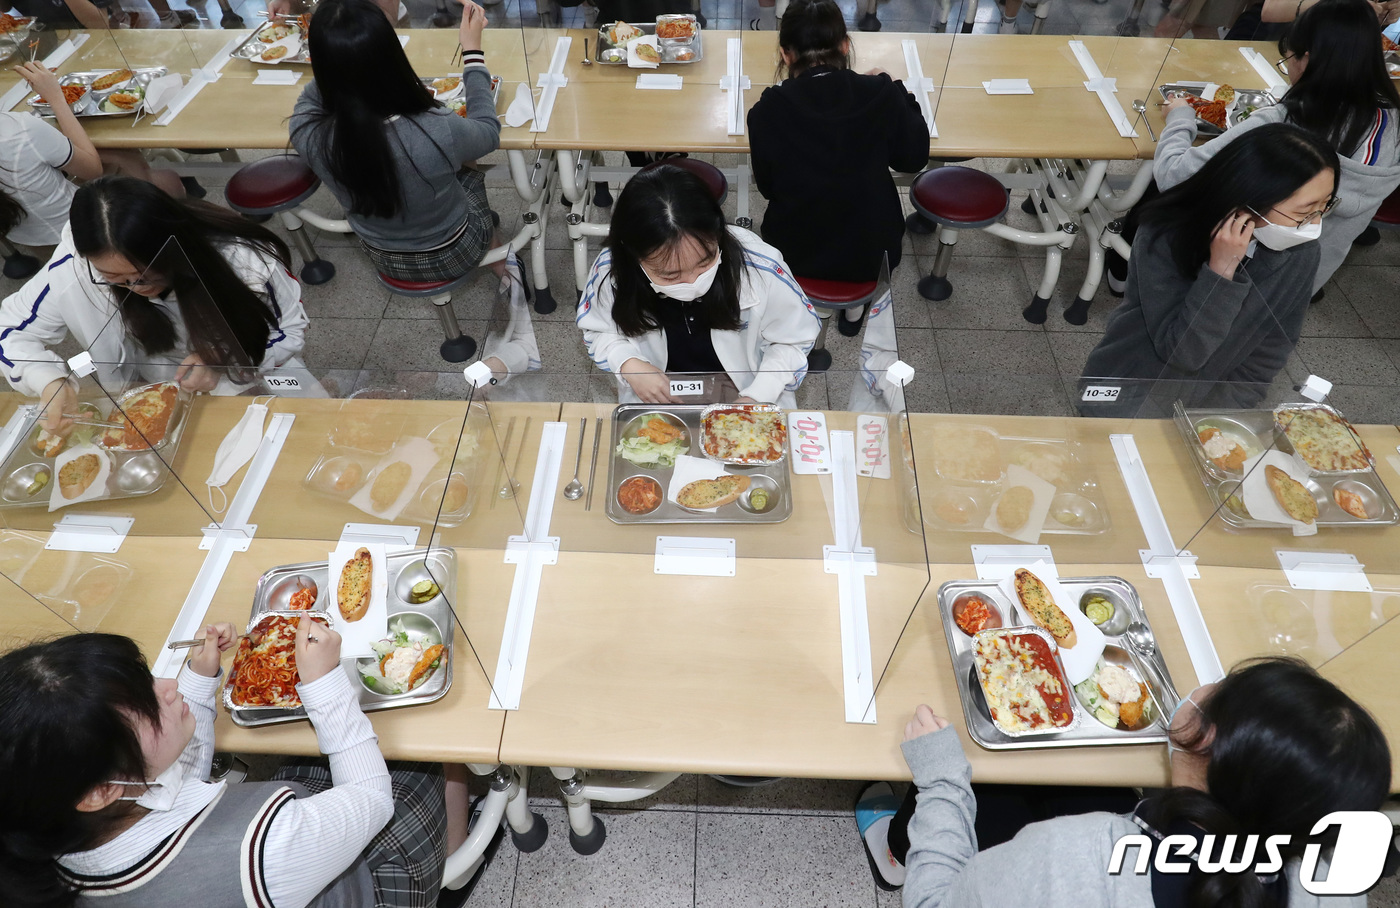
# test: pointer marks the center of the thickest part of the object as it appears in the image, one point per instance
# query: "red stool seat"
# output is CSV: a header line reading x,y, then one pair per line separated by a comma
x,y
714,179
836,294
271,185
1389,212
422,288
959,197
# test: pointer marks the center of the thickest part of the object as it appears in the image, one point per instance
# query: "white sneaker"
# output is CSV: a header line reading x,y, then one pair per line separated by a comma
x,y
1115,286
1008,26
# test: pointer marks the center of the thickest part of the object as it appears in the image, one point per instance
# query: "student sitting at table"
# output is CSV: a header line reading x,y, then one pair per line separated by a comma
x,y
394,157
107,799
1342,93
1219,278
1267,751
168,289
822,144
676,289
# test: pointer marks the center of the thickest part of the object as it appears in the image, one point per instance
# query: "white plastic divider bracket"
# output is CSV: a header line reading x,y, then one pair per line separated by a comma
x,y
1315,388
529,552
851,563
393,537
550,82
15,428
919,85
1278,85
89,533
899,373
994,562
1336,571
736,83
81,364
234,535
478,375
1106,89
695,556
1162,561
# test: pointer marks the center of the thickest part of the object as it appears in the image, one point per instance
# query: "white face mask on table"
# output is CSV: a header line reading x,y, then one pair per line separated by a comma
x,y
694,289
237,448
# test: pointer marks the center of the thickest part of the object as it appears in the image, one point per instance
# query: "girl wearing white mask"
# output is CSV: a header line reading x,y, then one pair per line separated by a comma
x,y
1220,277
676,290
108,800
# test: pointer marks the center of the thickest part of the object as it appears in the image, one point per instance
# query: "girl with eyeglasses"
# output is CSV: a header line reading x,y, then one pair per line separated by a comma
x,y
1341,93
1219,278
154,288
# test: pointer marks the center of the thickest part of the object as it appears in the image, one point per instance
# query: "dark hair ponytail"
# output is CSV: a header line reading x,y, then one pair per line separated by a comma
x,y
364,78
1285,747
657,210
179,240
11,212
66,711
812,32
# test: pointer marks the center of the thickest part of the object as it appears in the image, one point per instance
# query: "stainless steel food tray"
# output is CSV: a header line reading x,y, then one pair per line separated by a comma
x,y
772,478
1235,113
252,48
90,104
607,55
1089,731
133,473
1078,496
1259,424
405,568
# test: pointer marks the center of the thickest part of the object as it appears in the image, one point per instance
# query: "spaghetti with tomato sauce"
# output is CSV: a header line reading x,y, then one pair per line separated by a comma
x,y
1023,684
264,669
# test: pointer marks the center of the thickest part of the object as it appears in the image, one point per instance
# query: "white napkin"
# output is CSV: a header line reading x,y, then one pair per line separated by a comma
x,y
691,469
1017,475
522,109
421,457
1260,501
160,92
1008,87
98,489
276,77
663,81
356,636
1079,661
636,62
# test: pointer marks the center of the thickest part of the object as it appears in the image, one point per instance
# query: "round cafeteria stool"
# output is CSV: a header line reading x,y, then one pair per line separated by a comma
x,y
277,185
1388,215
830,297
916,223
954,198
709,173
17,265
456,346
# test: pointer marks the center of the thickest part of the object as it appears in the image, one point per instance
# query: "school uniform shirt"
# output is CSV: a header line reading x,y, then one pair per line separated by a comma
x,y
293,850
62,299
766,358
31,153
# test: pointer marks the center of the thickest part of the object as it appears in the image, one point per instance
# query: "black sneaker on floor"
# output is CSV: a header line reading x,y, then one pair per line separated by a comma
x,y
231,20
869,23
847,327
1317,297
1369,237
192,188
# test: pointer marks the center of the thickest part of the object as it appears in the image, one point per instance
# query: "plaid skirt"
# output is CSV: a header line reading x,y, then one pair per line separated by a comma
x,y
406,858
452,259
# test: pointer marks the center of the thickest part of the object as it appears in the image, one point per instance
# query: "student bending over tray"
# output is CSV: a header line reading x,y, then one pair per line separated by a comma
x,y
395,158
108,798
1269,750
1220,277
1342,93
676,289
166,289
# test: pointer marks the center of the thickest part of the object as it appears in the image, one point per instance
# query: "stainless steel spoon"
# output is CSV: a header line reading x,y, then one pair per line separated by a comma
x,y
1141,107
574,490
1140,639
586,61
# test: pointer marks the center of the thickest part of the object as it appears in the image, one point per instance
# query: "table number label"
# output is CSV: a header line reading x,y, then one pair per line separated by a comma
x,y
873,447
282,382
1100,393
687,387
809,442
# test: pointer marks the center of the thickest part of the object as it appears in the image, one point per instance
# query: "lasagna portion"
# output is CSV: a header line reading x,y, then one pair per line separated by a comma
x,y
264,669
1323,439
745,435
141,420
1023,685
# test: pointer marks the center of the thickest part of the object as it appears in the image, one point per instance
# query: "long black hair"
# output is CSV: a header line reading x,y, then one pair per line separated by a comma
x,y
1256,171
1284,748
67,709
656,211
1345,82
364,78
179,240
812,31
11,212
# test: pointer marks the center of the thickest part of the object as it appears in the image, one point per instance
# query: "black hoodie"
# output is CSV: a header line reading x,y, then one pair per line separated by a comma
x,y
823,144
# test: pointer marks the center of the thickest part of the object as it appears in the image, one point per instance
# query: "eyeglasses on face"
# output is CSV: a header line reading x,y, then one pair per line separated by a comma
x,y
125,285
1305,219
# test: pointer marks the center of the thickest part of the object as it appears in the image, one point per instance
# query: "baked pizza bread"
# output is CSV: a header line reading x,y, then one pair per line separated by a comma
x,y
1036,599
1324,440
1292,495
78,474
1014,508
1351,503
712,493
648,53
111,80
352,595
